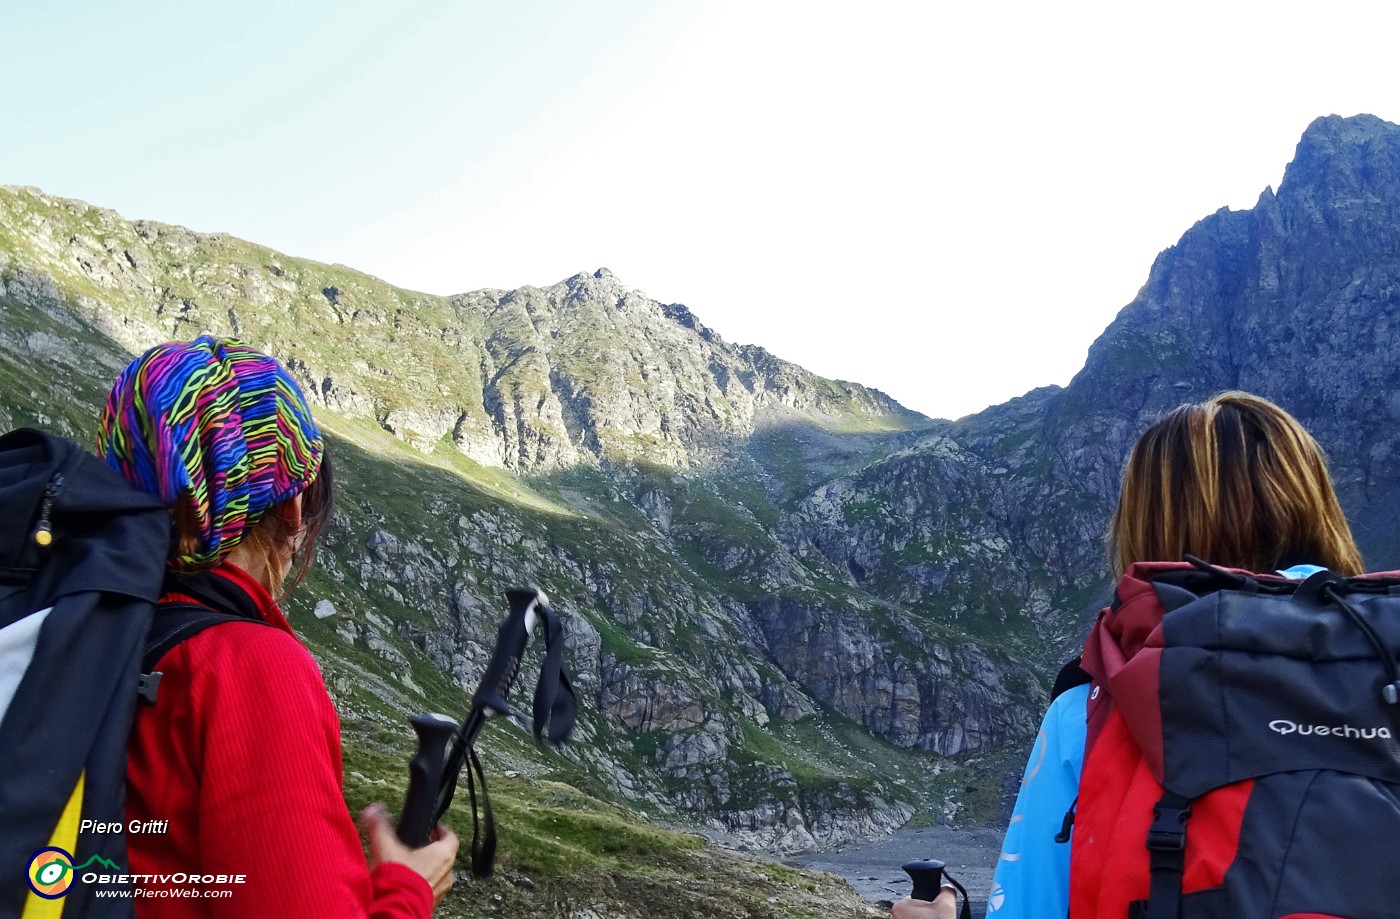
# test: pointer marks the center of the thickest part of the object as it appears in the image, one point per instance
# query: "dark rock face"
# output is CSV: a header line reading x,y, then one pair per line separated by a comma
x,y
949,700
751,552
1296,300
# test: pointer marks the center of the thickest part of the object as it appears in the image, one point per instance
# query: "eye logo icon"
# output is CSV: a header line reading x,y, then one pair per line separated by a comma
x,y
50,873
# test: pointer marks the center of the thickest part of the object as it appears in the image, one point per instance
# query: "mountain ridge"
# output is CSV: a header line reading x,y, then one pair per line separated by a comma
x,y
763,565
657,513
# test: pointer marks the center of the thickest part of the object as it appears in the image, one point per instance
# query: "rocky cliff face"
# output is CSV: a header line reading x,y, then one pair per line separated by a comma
x,y
1294,300
790,599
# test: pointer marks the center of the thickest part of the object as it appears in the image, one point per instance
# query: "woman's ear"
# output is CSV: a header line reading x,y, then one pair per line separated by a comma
x,y
289,512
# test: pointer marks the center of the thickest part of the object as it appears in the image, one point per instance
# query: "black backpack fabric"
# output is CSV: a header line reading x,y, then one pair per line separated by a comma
x,y
82,559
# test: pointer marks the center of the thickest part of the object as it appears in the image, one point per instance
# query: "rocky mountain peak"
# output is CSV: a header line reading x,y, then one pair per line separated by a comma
x,y
1355,136
1296,300
1344,164
580,373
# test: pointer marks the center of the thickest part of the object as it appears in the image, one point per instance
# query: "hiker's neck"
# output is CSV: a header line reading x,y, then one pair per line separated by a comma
x,y
262,562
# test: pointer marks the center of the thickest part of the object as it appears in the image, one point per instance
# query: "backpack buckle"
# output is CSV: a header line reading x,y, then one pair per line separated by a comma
x,y
148,686
1168,832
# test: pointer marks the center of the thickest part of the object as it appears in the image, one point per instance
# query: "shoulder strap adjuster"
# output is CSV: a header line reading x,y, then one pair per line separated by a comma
x,y
148,686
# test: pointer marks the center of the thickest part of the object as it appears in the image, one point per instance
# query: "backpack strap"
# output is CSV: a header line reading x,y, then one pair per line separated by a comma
x,y
173,623
1166,845
1070,676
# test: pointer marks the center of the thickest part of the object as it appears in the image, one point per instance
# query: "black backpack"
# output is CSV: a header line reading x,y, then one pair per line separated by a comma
x,y
82,565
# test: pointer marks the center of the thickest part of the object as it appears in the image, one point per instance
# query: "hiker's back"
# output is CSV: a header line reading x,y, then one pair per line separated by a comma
x,y
1196,678
1242,758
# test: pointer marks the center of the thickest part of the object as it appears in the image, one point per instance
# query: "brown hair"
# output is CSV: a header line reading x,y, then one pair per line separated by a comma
x,y
317,503
1234,480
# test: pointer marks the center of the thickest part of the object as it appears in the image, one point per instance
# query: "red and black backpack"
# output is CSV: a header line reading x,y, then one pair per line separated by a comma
x,y
1243,751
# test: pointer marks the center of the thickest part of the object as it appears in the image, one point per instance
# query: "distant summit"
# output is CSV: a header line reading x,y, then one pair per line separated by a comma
x,y
582,372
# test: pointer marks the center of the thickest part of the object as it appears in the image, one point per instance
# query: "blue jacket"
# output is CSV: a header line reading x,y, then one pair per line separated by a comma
x,y
1032,876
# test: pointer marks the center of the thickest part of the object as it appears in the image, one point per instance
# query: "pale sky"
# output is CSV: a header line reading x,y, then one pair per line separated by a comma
x,y
948,202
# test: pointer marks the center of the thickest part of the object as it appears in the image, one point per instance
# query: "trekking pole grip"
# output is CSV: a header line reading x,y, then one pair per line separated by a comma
x,y
424,778
927,875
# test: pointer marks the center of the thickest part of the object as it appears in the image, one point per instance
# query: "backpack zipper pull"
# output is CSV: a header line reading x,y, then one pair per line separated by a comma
x,y
44,534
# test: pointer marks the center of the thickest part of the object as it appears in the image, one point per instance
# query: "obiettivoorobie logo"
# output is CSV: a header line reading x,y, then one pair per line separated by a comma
x,y
51,871
51,874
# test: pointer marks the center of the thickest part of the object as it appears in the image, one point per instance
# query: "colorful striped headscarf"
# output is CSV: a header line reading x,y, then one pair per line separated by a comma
x,y
219,422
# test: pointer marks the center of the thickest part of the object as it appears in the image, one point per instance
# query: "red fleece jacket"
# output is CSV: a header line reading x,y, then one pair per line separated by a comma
x,y
236,771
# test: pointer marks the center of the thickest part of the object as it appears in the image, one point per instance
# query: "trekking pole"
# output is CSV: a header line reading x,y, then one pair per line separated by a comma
x,y
928,875
424,777
433,777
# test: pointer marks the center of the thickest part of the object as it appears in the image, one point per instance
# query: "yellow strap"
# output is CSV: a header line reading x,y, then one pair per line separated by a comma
x,y
65,837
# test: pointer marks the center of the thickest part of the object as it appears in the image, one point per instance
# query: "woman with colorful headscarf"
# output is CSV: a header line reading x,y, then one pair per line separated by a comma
x,y
236,772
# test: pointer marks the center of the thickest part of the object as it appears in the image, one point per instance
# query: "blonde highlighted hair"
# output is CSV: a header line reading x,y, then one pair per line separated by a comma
x,y
1234,480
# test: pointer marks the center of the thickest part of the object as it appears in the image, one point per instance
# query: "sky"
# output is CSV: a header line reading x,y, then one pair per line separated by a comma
x,y
947,202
